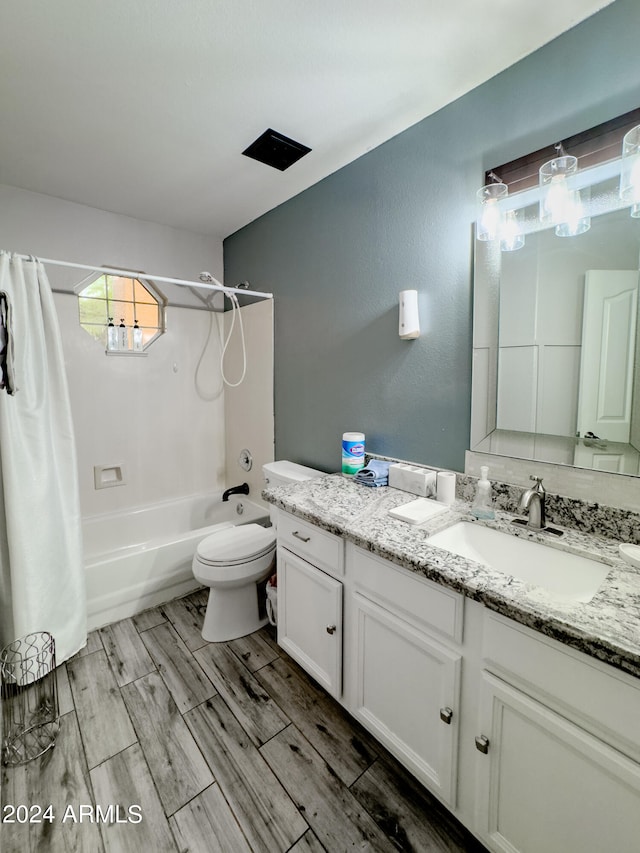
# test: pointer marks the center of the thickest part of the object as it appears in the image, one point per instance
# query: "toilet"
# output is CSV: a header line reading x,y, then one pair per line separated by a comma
x,y
235,560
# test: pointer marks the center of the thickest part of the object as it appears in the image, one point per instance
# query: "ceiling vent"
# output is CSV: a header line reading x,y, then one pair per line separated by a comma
x,y
275,149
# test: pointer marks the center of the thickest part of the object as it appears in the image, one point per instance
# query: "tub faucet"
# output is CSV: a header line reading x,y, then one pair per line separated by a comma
x,y
236,490
533,500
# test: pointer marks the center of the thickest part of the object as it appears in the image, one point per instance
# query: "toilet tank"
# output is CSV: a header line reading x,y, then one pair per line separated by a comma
x,y
285,473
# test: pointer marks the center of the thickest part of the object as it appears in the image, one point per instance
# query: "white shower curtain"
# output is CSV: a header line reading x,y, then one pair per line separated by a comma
x,y
41,572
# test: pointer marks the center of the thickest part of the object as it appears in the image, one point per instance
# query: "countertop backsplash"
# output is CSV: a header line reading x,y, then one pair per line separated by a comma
x,y
587,516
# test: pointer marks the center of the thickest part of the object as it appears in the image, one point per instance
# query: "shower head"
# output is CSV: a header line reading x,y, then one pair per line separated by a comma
x,y
206,277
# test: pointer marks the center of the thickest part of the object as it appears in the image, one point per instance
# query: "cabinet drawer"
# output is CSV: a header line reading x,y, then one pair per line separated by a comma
x,y
323,549
601,698
416,599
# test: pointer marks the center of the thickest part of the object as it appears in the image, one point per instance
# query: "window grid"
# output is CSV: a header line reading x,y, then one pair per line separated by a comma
x,y
120,298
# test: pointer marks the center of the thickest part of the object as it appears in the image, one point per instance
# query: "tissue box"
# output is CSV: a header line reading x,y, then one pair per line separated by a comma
x,y
416,481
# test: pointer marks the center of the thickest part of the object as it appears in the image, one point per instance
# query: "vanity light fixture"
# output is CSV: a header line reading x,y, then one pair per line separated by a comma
x,y
546,189
561,204
492,222
511,236
630,171
489,218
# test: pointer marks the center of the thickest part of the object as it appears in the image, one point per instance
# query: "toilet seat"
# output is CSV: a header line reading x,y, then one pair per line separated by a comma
x,y
233,546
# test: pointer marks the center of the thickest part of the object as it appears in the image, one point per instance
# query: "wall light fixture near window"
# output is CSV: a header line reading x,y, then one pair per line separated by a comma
x,y
630,171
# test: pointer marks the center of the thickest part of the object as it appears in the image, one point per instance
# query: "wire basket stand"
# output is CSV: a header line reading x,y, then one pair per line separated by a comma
x,y
30,718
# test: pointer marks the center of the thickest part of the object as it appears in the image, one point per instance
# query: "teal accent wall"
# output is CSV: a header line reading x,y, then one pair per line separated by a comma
x,y
401,216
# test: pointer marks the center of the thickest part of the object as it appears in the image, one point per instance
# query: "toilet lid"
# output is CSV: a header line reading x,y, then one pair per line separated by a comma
x,y
234,545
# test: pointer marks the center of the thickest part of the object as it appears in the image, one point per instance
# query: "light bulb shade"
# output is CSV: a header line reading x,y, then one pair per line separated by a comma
x,y
511,236
630,171
574,219
409,322
489,216
561,204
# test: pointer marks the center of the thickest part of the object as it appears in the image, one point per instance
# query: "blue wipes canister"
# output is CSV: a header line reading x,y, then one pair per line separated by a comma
x,y
352,452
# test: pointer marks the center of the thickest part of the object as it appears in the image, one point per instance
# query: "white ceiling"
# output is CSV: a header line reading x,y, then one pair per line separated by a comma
x,y
143,107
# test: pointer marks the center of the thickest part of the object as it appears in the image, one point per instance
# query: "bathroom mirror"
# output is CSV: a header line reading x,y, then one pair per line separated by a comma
x,y
556,350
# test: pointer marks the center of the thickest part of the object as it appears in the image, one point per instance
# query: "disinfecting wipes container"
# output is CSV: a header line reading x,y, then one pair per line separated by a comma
x,y
352,452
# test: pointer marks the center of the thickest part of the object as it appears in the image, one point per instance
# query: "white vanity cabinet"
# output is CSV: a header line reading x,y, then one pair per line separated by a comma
x,y
558,740
310,592
405,666
398,639
533,745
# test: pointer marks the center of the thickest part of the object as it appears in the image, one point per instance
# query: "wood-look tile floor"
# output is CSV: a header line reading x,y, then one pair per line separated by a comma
x,y
192,746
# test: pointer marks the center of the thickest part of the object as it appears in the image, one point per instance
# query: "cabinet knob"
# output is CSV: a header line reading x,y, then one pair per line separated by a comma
x,y
300,537
482,744
331,629
446,715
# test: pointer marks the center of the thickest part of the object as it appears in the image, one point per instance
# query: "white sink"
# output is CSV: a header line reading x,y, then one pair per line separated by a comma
x,y
566,576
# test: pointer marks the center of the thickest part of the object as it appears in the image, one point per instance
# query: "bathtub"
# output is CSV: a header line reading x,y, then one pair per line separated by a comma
x,y
142,557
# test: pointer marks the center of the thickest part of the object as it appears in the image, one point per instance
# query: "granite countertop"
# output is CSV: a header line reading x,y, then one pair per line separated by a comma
x,y
607,627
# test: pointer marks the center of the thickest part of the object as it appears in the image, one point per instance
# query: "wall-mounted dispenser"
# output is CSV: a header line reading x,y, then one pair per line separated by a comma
x,y
409,325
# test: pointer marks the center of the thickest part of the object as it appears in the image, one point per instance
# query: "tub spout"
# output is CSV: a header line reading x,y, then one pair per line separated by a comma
x,y
236,490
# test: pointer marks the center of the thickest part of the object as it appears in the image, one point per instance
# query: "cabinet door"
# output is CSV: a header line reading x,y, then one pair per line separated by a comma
x,y
310,619
547,786
407,692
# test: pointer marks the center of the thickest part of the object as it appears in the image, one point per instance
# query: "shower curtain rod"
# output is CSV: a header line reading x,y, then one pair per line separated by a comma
x,y
137,274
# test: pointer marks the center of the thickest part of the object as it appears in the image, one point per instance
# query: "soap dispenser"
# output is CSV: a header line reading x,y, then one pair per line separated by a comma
x,y
137,338
123,336
112,336
482,507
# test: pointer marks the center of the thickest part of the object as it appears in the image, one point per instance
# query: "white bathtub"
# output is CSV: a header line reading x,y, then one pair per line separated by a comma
x,y
142,558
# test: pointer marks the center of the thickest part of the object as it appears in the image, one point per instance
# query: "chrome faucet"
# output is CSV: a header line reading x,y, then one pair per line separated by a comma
x,y
533,501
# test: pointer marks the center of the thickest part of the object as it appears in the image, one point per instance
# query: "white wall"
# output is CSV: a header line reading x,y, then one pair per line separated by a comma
x,y
160,416
249,407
